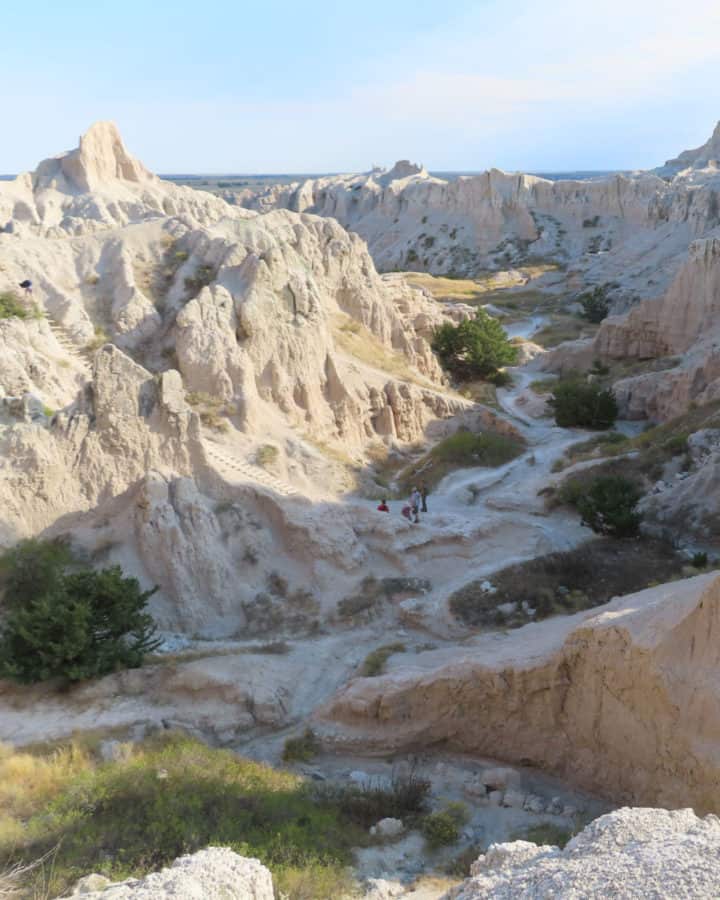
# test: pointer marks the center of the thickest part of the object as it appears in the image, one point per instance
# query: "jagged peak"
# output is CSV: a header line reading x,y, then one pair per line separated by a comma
x,y
100,158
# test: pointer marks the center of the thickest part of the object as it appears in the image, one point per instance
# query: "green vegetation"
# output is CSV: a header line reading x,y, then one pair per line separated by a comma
x,y
202,277
462,449
607,503
563,327
67,622
545,834
11,306
566,582
699,560
475,347
373,594
99,340
212,411
302,748
171,796
374,663
583,404
443,827
595,304
267,455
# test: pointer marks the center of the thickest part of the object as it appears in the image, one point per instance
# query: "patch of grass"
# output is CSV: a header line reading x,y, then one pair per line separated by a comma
x,y
373,593
567,582
459,450
302,748
11,306
404,797
267,455
563,327
213,411
609,444
99,340
543,385
173,795
355,339
374,663
544,834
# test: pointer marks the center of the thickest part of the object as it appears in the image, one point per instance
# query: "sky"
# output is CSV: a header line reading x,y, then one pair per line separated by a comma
x,y
225,86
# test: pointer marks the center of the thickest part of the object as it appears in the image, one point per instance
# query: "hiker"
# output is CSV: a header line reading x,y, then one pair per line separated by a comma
x,y
423,496
26,286
406,511
415,504
383,506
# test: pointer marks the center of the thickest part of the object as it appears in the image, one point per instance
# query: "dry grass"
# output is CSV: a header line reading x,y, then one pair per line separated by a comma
x,y
355,339
213,412
99,340
491,287
563,327
578,579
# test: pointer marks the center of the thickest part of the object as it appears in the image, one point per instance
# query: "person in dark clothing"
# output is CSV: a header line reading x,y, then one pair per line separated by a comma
x,y
424,495
26,286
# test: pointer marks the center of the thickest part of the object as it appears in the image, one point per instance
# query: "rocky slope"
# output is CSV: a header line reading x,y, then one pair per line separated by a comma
x,y
186,354
631,853
622,701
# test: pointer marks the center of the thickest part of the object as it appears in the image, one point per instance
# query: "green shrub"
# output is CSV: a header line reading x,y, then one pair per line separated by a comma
x,y
583,404
475,348
486,449
609,504
595,304
545,834
364,804
69,623
302,748
12,307
267,455
699,560
374,663
440,829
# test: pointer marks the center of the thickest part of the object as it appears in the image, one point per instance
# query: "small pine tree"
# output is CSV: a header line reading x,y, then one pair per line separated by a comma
x,y
475,348
595,304
609,506
583,404
69,624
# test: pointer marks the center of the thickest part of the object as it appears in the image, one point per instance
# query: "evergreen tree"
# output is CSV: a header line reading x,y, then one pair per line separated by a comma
x,y
73,624
475,348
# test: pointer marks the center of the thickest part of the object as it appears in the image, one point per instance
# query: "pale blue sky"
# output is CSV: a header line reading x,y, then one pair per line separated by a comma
x,y
286,86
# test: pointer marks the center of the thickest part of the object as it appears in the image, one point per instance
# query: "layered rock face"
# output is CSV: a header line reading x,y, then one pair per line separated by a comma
x,y
706,156
628,853
622,701
632,229
682,323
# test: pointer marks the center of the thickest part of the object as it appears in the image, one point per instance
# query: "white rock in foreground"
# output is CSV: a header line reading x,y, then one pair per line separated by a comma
x,y
651,854
213,874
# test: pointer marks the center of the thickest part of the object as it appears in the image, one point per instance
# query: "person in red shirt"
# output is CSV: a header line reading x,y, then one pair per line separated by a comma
x,y
383,506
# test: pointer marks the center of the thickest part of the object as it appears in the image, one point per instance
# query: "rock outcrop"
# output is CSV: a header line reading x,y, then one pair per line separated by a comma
x,y
213,874
681,323
622,700
703,157
630,853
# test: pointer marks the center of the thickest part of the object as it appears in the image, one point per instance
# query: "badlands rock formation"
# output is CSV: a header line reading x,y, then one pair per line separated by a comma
x,y
630,228
226,334
632,853
622,701
213,874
